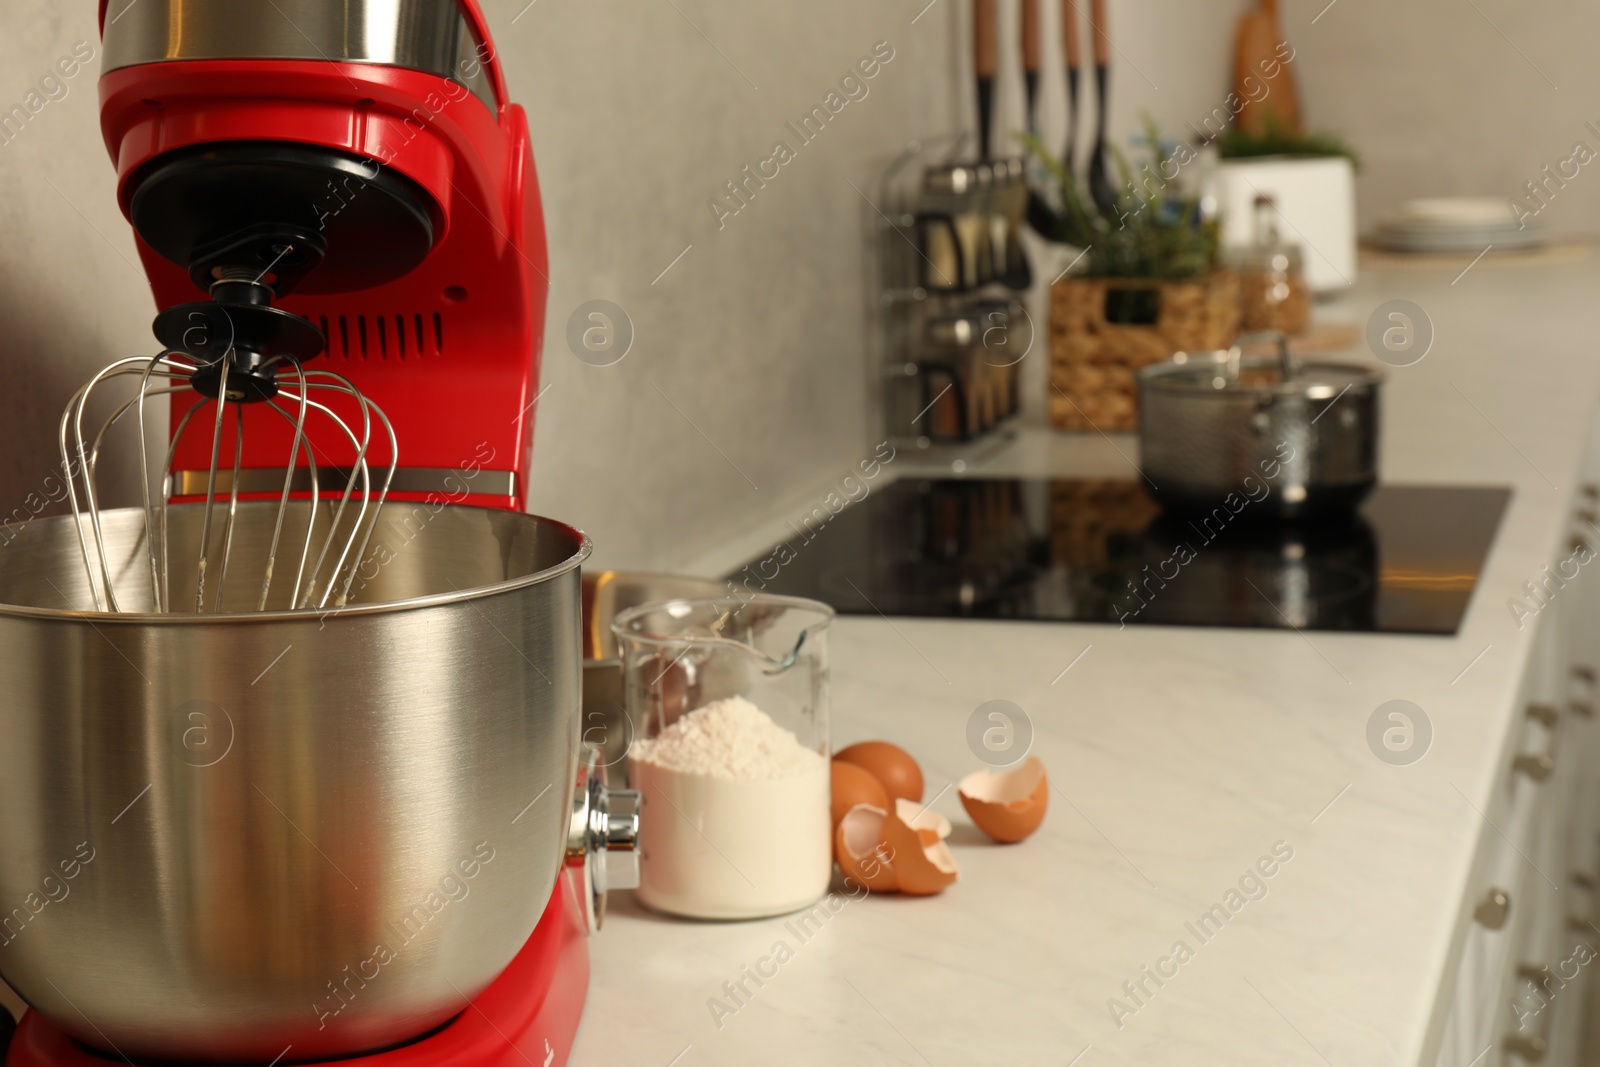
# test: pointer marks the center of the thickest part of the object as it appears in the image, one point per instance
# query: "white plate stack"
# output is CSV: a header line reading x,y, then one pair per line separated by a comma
x,y
1458,224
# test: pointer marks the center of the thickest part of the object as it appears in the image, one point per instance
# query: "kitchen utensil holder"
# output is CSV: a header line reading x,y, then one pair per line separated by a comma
x,y
951,334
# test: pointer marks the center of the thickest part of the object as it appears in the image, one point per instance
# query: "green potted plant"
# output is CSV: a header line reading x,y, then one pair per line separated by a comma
x,y
1151,285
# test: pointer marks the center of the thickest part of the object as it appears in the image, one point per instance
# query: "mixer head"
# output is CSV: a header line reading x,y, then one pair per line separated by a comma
x,y
339,218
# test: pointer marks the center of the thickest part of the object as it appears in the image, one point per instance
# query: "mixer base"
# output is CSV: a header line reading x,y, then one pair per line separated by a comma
x,y
529,1015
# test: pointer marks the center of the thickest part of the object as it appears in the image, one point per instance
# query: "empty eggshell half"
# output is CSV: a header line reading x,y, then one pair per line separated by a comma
x,y
930,826
1008,805
921,868
859,846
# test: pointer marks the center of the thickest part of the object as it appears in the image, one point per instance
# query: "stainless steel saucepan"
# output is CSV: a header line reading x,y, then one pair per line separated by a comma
x,y
1266,437
221,835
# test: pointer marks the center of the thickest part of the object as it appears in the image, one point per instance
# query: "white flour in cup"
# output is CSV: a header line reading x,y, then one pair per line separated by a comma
x,y
735,822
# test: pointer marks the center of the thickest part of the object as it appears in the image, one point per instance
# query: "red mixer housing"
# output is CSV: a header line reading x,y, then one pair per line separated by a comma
x,y
450,350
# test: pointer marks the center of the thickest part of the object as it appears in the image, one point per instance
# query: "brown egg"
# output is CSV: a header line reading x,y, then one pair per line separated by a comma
x,y
889,764
859,847
854,785
920,869
1007,805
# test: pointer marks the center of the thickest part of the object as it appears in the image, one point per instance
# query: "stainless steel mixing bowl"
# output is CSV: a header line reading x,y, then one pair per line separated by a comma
x,y
243,836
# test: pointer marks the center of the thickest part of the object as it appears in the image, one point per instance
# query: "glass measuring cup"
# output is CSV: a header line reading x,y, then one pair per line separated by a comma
x,y
730,700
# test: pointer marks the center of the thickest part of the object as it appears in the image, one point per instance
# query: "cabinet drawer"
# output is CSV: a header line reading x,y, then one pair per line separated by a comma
x,y
1498,930
1509,922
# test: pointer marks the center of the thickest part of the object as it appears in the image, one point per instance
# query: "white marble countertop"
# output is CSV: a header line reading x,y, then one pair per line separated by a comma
x,y
1180,757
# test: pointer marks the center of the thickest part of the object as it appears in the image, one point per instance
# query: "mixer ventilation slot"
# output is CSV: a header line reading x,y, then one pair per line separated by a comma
x,y
405,337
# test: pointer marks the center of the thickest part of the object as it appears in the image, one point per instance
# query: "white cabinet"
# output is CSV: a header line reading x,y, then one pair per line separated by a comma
x,y
1508,910
1520,992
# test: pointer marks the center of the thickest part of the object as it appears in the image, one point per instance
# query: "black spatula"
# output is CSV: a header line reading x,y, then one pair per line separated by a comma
x,y
1100,189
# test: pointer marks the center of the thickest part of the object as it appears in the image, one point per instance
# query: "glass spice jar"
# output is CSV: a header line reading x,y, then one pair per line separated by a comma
x,y
1272,281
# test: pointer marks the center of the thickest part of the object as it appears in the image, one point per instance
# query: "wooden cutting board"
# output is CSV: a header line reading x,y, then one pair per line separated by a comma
x,y
1259,48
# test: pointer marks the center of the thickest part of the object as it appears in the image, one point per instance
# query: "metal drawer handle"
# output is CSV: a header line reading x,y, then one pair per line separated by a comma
x,y
1584,705
1531,1048
1540,766
1493,910
1547,715
1537,767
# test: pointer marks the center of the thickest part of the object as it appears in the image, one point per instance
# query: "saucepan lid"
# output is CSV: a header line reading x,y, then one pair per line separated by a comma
x,y
1228,372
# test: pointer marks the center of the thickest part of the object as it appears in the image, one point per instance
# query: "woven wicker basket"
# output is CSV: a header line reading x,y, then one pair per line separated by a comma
x,y
1094,363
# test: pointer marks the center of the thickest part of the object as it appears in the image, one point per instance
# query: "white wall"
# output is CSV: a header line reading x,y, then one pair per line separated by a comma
x,y
71,295
1443,99
756,334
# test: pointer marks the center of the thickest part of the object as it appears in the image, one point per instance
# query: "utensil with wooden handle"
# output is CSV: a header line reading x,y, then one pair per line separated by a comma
x,y
1070,48
986,64
1040,215
1030,59
1100,188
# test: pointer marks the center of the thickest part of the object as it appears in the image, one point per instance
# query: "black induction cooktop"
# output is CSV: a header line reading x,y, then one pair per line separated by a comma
x,y
1102,551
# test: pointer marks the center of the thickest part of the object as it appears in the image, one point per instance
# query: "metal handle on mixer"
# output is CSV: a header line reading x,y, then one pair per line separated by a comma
x,y
602,843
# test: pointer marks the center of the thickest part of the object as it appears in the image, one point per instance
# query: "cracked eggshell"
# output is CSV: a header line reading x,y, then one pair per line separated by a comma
x,y
1008,805
859,846
853,786
930,826
889,764
921,868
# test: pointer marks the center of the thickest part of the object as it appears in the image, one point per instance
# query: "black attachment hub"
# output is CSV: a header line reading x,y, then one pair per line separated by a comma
x,y
250,378
347,222
240,329
280,255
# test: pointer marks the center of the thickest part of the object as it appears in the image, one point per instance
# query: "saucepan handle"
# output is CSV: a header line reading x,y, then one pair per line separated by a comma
x,y
1278,337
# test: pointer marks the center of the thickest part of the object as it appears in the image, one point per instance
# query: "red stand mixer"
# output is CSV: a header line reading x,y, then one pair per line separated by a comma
x,y
387,198
337,210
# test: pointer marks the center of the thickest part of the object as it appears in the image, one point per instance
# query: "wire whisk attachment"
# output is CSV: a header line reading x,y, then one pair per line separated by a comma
x,y
236,392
